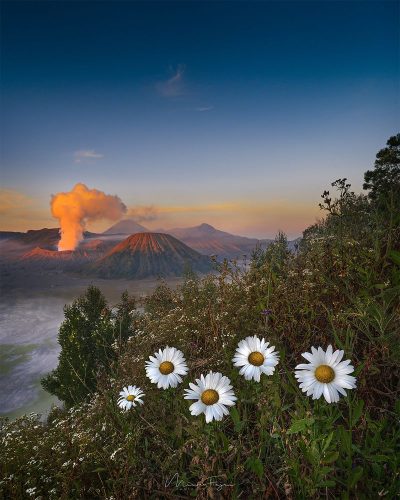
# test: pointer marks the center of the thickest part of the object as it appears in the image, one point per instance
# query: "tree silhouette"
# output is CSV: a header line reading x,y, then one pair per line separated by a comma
x,y
383,182
86,337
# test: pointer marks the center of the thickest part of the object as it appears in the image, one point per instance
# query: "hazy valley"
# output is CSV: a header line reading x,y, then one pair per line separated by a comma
x,y
37,281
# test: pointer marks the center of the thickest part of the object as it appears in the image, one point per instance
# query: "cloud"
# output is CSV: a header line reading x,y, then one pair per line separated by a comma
x,y
12,200
143,213
204,108
87,154
19,212
254,219
218,207
175,85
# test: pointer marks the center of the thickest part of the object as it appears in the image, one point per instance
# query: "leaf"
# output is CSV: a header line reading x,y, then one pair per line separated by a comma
x,y
327,484
355,475
327,442
379,458
395,256
323,471
99,469
300,425
225,441
344,439
238,424
357,411
314,452
255,465
331,457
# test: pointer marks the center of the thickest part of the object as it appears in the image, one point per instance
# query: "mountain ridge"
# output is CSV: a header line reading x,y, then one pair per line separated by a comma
x,y
208,240
149,254
125,226
37,249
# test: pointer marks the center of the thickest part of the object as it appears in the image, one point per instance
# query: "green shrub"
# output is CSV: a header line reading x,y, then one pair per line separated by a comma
x,y
86,338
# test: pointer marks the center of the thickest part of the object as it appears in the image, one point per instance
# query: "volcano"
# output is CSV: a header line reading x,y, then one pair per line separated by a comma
x,y
210,241
125,226
144,255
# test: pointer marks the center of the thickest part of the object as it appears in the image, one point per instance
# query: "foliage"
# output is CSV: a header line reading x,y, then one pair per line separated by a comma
x,y
341,287
384,180
86,337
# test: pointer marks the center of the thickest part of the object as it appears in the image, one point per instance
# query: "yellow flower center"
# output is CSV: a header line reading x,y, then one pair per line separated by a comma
x,y
256,358
210,397
324,374
166,367
131,397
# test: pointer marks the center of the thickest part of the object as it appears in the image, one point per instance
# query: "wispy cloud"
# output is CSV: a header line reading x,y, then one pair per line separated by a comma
x,y
143,213
12,200
19,212
219,207
175,85
86,154
255,219
202,109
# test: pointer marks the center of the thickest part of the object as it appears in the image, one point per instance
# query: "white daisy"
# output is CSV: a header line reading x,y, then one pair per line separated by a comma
x,y
129,397
255,357
325,374
213,393
166,367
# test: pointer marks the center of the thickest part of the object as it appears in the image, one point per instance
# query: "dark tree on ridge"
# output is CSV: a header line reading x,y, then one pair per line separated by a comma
x,y
86,337
383,181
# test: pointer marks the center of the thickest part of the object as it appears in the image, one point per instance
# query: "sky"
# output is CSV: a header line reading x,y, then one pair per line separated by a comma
x,y
238,114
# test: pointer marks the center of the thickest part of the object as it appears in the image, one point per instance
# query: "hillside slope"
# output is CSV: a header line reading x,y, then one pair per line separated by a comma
x,y
126,226
149,254
210,241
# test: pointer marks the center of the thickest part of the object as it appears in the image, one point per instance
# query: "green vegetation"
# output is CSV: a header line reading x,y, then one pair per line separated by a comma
x,y
341,287
86,338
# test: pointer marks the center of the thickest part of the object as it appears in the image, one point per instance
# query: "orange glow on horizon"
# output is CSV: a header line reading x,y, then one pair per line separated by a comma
x,y
19,212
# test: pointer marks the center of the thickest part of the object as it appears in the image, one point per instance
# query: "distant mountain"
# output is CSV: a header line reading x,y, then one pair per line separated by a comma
x,y
126,226
45,238
293,244
210,241
149,254
5,235
39,237
15,245
42,258
68,260
41,254
114,255
98,245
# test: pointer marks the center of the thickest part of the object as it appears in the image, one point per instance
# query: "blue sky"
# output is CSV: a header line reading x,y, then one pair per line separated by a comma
x,y
237,114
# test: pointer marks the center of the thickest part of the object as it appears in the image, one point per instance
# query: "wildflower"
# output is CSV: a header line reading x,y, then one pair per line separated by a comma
x,y
129,397
266,312
166,367
112,456
325,374
213,393
255,357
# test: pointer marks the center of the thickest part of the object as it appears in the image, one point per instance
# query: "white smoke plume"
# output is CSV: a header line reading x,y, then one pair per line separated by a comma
x,y
79,206
143,213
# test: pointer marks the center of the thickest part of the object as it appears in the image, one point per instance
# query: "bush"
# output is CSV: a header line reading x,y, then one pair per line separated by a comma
x,y
86,338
